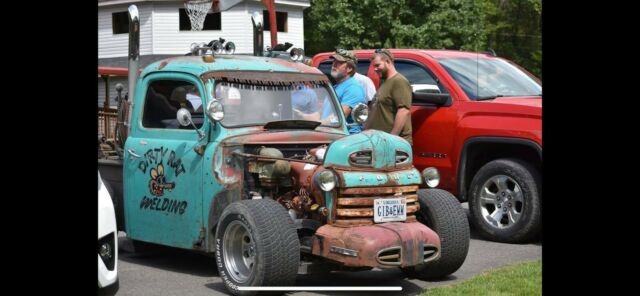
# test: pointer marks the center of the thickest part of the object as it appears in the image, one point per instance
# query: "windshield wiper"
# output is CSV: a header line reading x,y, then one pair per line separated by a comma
x,y
292,124
486,98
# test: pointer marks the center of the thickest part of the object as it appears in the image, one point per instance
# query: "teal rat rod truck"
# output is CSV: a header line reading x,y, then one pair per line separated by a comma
x,y
249,159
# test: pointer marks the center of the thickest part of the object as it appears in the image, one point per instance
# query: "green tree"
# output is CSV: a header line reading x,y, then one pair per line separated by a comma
x,y
510,27
514,31
452,24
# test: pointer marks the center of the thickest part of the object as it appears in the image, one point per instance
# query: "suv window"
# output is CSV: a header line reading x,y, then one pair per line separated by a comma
x,y
163,100
418,76
363,67
325,67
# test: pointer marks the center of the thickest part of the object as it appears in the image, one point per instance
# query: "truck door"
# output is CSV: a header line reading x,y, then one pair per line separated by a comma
x,y
163,171
429,121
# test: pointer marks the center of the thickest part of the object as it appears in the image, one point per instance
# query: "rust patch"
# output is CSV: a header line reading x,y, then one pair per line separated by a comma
x,y
370,241
385,169
264,137
368,212
368,201
363,222
266,78
378,190
253,156
162,64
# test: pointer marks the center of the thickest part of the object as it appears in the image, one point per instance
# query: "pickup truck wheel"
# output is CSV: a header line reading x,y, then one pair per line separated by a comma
x,y
443,213
505,201
256,245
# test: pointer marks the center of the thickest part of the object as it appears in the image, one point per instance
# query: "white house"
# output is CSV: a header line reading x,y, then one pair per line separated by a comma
x,y
165,30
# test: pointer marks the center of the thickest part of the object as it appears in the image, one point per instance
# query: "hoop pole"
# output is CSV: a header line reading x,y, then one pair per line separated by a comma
x,y
273,26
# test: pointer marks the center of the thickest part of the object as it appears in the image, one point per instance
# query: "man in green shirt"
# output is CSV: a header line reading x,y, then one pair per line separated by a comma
x,y
391,111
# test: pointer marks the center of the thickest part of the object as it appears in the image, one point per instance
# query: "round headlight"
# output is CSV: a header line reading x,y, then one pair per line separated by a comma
x,y
215,111
327,180
431,176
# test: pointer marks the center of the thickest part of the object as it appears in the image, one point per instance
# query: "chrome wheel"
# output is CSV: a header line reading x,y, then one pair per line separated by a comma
x,y
501,201
239,251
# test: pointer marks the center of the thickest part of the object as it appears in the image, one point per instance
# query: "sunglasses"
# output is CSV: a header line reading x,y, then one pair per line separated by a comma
x,y
384,52
341,51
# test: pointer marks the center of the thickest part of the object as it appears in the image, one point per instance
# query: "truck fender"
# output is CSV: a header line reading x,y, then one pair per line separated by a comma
x,y
224,198
462,160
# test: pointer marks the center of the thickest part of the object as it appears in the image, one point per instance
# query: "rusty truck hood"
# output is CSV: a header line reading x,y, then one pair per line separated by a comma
x,y
284,137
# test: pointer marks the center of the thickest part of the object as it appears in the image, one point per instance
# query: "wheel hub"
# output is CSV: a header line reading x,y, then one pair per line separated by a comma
x,y
239,251
501,201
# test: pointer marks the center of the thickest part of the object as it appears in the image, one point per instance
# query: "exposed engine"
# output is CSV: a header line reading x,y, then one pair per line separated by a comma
x,y
275,173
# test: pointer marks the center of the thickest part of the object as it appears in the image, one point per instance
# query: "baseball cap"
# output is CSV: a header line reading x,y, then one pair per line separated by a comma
x,y
344,55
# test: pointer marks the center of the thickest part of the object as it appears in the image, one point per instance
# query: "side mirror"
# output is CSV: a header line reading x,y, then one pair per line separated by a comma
x,y
184,118
360,113
426,97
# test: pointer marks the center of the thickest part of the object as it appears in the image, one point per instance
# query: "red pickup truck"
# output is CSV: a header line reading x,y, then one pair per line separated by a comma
x,y
477,118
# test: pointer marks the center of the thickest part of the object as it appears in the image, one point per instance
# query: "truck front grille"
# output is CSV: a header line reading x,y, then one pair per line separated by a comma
x,y
391,256
354,206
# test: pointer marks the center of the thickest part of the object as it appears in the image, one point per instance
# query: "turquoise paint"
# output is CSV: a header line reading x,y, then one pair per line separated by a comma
x,y
196,66
370,179
171,212
151,218
382,145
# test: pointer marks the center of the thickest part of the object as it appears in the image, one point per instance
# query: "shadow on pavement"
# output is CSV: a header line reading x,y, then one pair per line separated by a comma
x,y
167,258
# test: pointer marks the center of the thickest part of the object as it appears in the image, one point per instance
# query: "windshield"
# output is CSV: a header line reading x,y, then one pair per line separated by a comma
x,y
250,104
482,78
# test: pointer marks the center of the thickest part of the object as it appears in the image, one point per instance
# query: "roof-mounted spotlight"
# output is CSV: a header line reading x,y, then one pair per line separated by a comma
x,y
193,48
216,46
229,48
297,54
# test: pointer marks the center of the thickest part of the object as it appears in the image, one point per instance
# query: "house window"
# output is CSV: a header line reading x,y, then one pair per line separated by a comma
x,y
212,21
281,21
120,22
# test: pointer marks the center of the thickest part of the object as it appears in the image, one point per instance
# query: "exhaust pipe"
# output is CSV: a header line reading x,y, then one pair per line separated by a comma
x,y
134,58
258,37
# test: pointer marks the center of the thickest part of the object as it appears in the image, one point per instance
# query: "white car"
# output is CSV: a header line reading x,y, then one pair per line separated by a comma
x,y
107,241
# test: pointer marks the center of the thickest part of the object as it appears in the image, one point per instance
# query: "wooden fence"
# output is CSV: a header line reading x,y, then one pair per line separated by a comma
x,y
107,122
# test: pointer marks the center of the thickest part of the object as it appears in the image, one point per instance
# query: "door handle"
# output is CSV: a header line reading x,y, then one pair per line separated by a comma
x,y
132,153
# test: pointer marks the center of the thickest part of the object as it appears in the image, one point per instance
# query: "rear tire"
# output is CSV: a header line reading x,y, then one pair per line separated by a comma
x,y
443,213
256,245
505,201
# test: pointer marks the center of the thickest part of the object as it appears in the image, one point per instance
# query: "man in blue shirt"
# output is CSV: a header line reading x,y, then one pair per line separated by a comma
x,y
305,103
350,92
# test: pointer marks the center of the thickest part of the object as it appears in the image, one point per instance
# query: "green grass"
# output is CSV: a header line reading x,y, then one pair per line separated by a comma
x,y
518,279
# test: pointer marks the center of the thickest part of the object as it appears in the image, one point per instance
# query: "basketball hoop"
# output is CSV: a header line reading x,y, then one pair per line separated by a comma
x,y
197,11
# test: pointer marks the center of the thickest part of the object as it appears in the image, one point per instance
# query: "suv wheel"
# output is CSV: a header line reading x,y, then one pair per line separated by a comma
x,y
505,201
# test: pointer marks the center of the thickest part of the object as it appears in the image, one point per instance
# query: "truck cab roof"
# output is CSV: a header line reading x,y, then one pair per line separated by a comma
x,y
197,66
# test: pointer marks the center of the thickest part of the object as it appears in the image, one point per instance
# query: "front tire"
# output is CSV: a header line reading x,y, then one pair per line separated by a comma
x,y
442,212
256,245
505,201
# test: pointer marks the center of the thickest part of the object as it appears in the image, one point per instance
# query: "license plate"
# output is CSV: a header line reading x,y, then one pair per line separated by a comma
x,y
389,209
